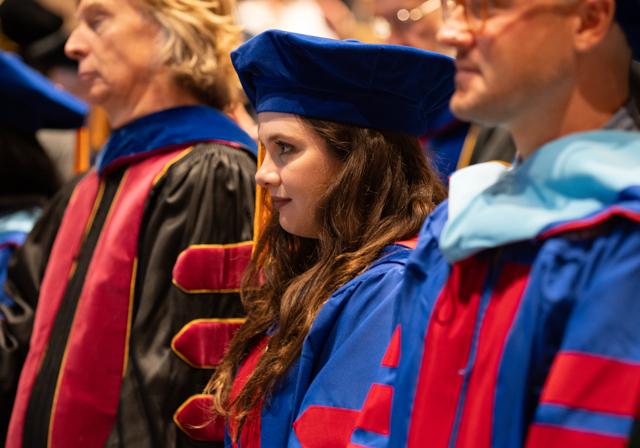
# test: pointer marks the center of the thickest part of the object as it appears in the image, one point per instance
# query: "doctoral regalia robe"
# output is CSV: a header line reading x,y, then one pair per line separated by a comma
x,y
138,296
519,310
329,395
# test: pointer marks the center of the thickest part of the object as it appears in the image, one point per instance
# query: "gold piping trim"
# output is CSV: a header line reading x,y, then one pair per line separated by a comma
x,y
74,266
169,164
54,404
217,246
182,406
96,205
132,289
203,291
179,354
469,145
74,193
89,225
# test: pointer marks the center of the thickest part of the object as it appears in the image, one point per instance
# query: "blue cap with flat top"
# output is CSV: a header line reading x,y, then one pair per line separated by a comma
x,y
387,87
628,16
31,102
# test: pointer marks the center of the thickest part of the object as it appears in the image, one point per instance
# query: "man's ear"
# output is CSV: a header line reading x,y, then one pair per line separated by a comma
x,y
594,22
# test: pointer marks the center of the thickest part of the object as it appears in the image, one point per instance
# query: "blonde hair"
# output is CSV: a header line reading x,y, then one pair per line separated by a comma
x,y
199,36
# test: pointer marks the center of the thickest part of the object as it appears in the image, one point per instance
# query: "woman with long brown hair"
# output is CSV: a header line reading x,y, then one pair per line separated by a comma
x,y
347,186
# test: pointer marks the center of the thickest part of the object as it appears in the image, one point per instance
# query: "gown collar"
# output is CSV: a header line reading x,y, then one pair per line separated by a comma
x,y
569,179
168,129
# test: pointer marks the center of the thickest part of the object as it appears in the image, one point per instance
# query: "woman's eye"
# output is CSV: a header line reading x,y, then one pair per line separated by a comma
x,y
284,148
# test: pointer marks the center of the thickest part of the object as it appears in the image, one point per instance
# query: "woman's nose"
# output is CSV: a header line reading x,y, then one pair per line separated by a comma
x,y
267,174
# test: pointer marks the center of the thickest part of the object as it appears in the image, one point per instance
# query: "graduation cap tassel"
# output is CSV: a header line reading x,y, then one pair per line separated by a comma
x,y
262,212
81,159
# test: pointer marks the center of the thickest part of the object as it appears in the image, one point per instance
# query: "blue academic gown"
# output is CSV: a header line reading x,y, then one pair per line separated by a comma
x,y
14,227
444,141
519,312
329,397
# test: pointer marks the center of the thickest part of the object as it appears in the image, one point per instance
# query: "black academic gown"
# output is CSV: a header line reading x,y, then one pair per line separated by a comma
x,y
114,366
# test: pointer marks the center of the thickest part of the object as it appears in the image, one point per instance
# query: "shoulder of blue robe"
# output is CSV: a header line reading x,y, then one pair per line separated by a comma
x,y
584,287
340,359
575,336
570,179
424,278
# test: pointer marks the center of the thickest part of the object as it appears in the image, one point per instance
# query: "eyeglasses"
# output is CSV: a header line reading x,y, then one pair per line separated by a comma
x,y
476,12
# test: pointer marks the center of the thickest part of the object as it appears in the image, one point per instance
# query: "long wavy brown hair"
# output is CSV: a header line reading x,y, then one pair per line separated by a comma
x,y
383,192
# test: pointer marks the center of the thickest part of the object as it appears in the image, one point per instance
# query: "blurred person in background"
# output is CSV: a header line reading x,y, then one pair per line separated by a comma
x,y
416,23
28,179
38,32
413,23
137,298
301,16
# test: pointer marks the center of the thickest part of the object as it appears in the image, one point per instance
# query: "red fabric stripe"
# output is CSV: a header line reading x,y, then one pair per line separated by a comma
x,y
376,412
592,221
477,418
196,419
65,250
250,436
325,427
201,343
446,349
542,436
392,355
87,403
194,270
410,243
593,383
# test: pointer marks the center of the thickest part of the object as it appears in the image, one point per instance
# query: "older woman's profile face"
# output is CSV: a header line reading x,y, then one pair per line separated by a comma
x,y
116,46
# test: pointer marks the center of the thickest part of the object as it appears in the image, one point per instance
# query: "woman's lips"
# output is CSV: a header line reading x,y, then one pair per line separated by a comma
x,y
277,203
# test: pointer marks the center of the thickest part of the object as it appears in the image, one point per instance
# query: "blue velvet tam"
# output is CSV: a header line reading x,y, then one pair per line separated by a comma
x,y
29,101
628,16
387,87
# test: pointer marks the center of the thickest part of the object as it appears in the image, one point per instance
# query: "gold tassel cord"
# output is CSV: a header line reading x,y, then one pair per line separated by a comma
x,y
263,203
